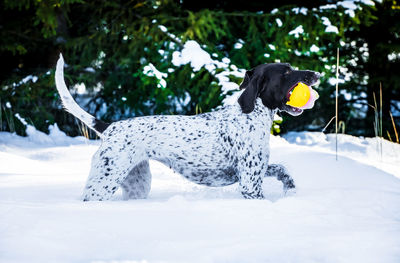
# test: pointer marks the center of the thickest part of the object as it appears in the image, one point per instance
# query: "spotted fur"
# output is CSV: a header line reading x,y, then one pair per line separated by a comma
x,y
214,149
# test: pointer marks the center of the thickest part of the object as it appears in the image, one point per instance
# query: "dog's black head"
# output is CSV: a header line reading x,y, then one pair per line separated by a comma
x,y
272,83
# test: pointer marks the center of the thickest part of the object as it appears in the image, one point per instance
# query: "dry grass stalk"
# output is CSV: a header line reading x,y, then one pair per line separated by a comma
x,y
342,126
381,125
376,122
394,127
388,134
326,126
337,95
84,130
380,110
198,109
9,118
1,118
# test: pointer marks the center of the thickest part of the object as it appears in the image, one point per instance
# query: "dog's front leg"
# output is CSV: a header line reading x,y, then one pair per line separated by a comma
x,y
251,173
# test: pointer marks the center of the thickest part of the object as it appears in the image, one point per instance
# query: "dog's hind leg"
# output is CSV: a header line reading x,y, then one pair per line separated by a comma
x,y
109,169
279,171
138,182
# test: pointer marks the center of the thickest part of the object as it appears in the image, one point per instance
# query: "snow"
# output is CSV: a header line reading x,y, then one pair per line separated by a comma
x,y
297,31
329,26
80,89
163,28
349,5
272,47
314,48
151,71
274,11
193,54
279,22
238,45
343,211
197,57
29,78
393,56
300,10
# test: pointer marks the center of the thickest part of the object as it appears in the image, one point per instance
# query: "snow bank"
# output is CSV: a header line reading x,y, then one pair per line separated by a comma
x,y
36,138
366,150
343,211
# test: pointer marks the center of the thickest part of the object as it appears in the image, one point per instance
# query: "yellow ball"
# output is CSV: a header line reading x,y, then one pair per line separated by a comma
x,y
299,95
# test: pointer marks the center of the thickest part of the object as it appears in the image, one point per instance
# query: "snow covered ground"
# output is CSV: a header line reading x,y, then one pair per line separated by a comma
x,y
344,211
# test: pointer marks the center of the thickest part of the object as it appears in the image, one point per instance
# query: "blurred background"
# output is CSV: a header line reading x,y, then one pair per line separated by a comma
x,y
135,58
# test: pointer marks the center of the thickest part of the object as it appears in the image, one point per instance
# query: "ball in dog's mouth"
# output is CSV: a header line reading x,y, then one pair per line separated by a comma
x,y
301,96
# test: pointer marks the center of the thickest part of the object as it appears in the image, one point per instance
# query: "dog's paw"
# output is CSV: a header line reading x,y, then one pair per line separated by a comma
x,y
288,183
289,192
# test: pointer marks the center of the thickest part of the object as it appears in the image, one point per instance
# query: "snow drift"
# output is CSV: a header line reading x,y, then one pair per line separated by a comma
x,y
343,211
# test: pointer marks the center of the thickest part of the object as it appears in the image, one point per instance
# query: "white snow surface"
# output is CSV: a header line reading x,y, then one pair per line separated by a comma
x,y
343,211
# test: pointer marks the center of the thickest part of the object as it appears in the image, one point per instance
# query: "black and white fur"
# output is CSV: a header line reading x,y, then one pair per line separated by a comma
x,y
214,149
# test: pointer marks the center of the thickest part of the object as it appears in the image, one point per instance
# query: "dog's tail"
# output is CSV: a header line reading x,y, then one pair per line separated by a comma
x,y
71,106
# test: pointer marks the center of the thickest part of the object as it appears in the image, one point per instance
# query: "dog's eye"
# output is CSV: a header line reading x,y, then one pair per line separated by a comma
x,y
287,71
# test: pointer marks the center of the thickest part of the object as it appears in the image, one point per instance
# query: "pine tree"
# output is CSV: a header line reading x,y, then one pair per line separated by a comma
x,y
112,47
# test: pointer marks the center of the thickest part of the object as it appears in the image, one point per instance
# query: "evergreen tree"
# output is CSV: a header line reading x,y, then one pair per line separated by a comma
x,y
111,45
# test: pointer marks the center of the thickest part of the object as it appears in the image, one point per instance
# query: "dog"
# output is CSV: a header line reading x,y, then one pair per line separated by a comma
x,y
218,148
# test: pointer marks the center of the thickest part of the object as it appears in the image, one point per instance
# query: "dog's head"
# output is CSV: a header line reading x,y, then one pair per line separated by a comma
x,y
272,83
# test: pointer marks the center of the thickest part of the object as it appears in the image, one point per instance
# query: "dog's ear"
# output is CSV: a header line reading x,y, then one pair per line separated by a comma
x,y
246,79
251,91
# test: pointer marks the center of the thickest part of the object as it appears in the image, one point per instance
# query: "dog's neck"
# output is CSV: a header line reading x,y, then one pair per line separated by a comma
x,y
263,111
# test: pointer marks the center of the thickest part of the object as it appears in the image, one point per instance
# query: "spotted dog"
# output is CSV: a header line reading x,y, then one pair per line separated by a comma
x,y
215,149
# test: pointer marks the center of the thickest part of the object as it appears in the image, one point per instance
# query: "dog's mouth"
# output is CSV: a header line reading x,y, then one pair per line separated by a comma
x,y
294,111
